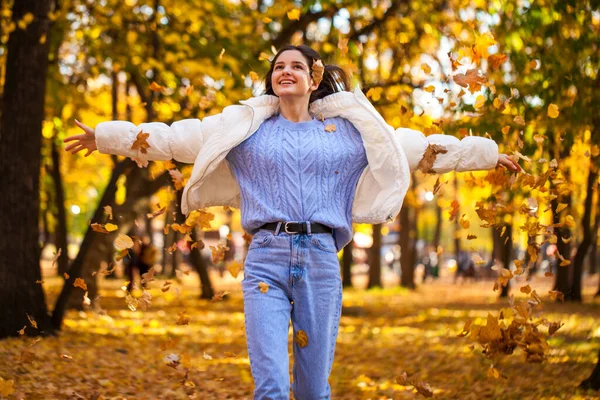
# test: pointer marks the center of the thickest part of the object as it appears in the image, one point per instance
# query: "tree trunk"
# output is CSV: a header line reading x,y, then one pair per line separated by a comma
x,y
503,251
593,382
60,230
575,292
438,226
347,264
407,264
562,282
20,159
375,259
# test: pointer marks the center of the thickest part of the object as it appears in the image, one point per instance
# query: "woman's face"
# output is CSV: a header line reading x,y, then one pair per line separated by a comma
x,y
291,75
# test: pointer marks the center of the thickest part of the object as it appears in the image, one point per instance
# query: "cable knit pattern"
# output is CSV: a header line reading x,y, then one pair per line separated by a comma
x,y
299,172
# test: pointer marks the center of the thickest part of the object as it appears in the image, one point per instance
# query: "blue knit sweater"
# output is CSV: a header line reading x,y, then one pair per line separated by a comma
x,y
291,171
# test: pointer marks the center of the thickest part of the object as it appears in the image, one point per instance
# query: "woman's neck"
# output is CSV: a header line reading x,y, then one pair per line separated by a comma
x,y
294,110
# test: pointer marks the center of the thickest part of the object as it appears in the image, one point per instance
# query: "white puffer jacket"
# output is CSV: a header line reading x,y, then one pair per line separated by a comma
x,y
381,187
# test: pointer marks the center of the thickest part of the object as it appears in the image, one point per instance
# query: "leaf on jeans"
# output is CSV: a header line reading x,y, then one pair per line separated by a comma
x,y
141,143
301,338
264,287
426,163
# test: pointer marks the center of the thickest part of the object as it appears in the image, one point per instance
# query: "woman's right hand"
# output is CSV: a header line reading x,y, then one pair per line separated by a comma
x,y
86,141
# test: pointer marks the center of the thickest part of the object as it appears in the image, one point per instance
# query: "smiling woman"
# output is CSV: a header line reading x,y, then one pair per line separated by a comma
x,y
302,162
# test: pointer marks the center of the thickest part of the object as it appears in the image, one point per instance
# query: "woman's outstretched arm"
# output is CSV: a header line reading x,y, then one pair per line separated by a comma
x,y
472,153
180,141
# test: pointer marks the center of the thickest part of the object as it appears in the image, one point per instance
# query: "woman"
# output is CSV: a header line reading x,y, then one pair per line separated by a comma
x,y
302,162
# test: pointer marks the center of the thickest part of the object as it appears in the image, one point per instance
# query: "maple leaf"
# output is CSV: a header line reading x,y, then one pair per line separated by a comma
x,y
318,69
200,218
6,388
80,283
496,60
141,143
218,252
429,157
455,207
264,287
471,80
301,339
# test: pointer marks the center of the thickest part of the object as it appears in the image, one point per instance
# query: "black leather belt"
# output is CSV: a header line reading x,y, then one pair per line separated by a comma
x,y
291,227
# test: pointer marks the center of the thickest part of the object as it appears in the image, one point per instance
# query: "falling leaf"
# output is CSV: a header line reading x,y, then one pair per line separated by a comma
x,y
221,54
555,294
553,111
560,207
123,242
479,102
200,218
519,120
466,329
104,228
554,326
318,69
493,372
429,89
166,286
294,14
80,283
343,46
471,80
525,289
218,252
426,68
437,185
505,130
254,76
570,222
66,276
301,339
521,156
177,178
108,211
264,287
22,330
454,208
219,296
471,237
156,213
141,143
477,259
56,256
234,268
32,321
429,157
330,128
496,60
464,221
155,87
206,356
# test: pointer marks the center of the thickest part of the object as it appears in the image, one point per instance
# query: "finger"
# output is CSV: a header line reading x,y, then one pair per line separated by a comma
x,y
78,149
90,151
83,126
72,146
74,137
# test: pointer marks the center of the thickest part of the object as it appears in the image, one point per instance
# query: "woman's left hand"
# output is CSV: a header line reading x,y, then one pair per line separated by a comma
x,y
507,162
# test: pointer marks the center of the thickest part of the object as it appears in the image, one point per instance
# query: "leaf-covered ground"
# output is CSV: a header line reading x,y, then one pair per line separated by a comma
x,y
383,333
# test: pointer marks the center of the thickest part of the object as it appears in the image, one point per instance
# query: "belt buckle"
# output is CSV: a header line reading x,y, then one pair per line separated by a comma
x,y
285,227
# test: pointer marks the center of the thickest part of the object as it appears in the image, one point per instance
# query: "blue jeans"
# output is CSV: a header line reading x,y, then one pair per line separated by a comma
x,y
303,274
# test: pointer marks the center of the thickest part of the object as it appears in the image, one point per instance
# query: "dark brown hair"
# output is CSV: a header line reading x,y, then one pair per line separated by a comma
x,y
335,79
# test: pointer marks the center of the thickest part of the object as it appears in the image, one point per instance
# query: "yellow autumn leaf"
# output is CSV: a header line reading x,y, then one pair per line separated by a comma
x,y
553,111
6,387
294,14
569,221
301,338
234,268
80,283
426,68
561,206
480,101
254,76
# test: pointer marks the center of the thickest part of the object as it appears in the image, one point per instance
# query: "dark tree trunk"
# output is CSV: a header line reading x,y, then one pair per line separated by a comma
x,y
438,226
456,223
60,230
375,259
407,258
20,159
347,261
503,251
593,382
562,282
575,293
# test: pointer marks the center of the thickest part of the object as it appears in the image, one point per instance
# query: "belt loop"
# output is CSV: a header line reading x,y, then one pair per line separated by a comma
x,y
278,228
308,231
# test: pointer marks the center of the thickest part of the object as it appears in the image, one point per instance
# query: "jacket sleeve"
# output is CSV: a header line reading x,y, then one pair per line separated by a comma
x,y
180,141
469,154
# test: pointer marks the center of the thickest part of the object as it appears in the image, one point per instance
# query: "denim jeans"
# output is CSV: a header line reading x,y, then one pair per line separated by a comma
x,y
303,274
